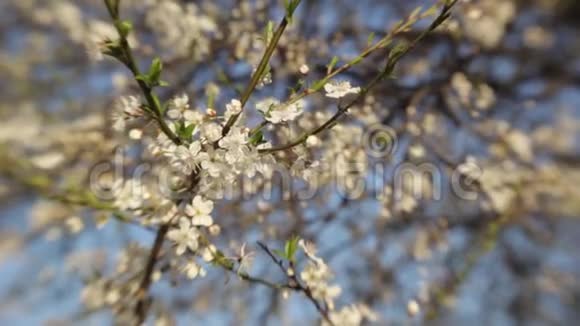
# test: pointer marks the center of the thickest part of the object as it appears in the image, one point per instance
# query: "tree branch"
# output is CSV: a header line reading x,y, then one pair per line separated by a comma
x,y
260,70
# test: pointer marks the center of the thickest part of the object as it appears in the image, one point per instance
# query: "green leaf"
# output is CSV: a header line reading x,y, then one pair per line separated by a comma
x,y
143,78
279,253
332,63
155,71
157,102
124,27
291,247
221,260
290,6
371,39
188,131
269,32
114,49
211,99
257,138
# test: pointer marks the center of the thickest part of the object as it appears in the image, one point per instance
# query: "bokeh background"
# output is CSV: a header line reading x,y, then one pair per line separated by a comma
x,y
500,83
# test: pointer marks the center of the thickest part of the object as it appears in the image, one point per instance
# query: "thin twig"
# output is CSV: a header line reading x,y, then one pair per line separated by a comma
x,y
296,284
142,297
389,68
370,49
131,64
260,70
157,114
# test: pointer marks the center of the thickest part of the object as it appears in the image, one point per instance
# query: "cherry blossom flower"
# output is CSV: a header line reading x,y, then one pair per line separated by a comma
x,y
100,33
200,211
351,315
179,110
128,107
276,113
413,308
210,131
316,276
214,165
245,259
186,159
178,106
184,237
193,270
233,108
131,195
235,144
340,89
208,253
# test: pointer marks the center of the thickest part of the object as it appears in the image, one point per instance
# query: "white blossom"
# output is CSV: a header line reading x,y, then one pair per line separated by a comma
x,y
521,144
352,315
208,253
413,308
184,237
277,113
93,294
135,134
199,210
186,159
74,224
131,195
214,166
128,107
193,270
233,108
178,27
235,144
100,32
316,276
178,106
340,89
211,132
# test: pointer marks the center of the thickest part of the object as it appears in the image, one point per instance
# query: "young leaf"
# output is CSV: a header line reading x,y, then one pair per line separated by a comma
x,y
279,253
184,132
371,39
332,63
269,32
257,138
290,6
143,78
291,247
155,71
124,27
113,49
